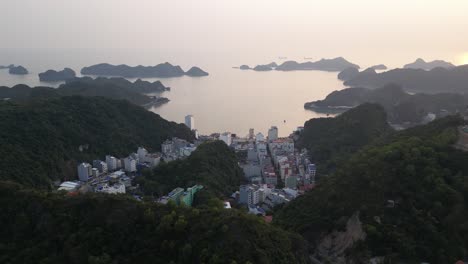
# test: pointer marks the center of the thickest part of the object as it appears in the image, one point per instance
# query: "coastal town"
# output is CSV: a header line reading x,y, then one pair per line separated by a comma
x,y
275,171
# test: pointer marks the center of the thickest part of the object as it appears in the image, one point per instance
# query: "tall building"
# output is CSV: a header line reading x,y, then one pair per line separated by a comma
x,y
100,165
130,164
251,133
95,172
272,133
142,152
245,194
111,162
190,122
311,171
226,137
84,171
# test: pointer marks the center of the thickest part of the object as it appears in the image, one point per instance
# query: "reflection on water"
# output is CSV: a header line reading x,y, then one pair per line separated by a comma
x,y
227,100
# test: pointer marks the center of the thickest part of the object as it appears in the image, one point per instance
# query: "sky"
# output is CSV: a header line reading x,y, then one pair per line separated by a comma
x,y
374,31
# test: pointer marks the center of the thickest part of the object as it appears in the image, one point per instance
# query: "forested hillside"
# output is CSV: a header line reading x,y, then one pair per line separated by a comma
x,y
40,140
104,229
409,192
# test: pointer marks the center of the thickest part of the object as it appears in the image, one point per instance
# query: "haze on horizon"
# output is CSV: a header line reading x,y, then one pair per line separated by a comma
x,y
390,32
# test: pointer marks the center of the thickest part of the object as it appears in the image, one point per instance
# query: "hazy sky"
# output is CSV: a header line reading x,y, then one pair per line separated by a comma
x,y
376,31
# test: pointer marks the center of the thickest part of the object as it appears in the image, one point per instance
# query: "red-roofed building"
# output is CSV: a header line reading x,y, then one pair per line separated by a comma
x,y
269,218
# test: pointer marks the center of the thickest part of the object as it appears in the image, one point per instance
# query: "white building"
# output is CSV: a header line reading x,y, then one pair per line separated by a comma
x,y
259,137
142,152
69,186
129,164
190,122
186,151
153,159
226,137
111,162
167,147
114,189
84,171
95,172
272,133
261,147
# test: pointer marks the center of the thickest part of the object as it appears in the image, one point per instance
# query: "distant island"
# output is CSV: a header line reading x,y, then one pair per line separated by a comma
x,y
56,76
332,65
421,64
2,67
401,107
17,70
196,72
163,70
336,64
454,80
379,67
113,88
138,86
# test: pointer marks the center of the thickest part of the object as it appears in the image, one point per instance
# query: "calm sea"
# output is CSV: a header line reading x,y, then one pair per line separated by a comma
x,y
227,100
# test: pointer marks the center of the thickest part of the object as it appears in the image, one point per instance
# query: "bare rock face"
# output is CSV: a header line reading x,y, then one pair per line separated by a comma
x,y
333,246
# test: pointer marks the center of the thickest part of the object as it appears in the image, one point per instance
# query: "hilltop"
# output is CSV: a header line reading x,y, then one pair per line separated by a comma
x,y
213,165
437,80
331,141
422,64
401,199
401,107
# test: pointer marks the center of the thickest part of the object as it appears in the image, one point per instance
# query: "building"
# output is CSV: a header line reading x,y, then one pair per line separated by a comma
x,y
111,189
283,144
190,122
111,162
261,147
100,165
251,169
95,172
175,195
227,205
251,133
251,194
84,171
153,159
272,133
69,186
130,164
186,151
167,147
259,137
311,171
142,152
269,176
290,182
245,194
187,197
226,137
